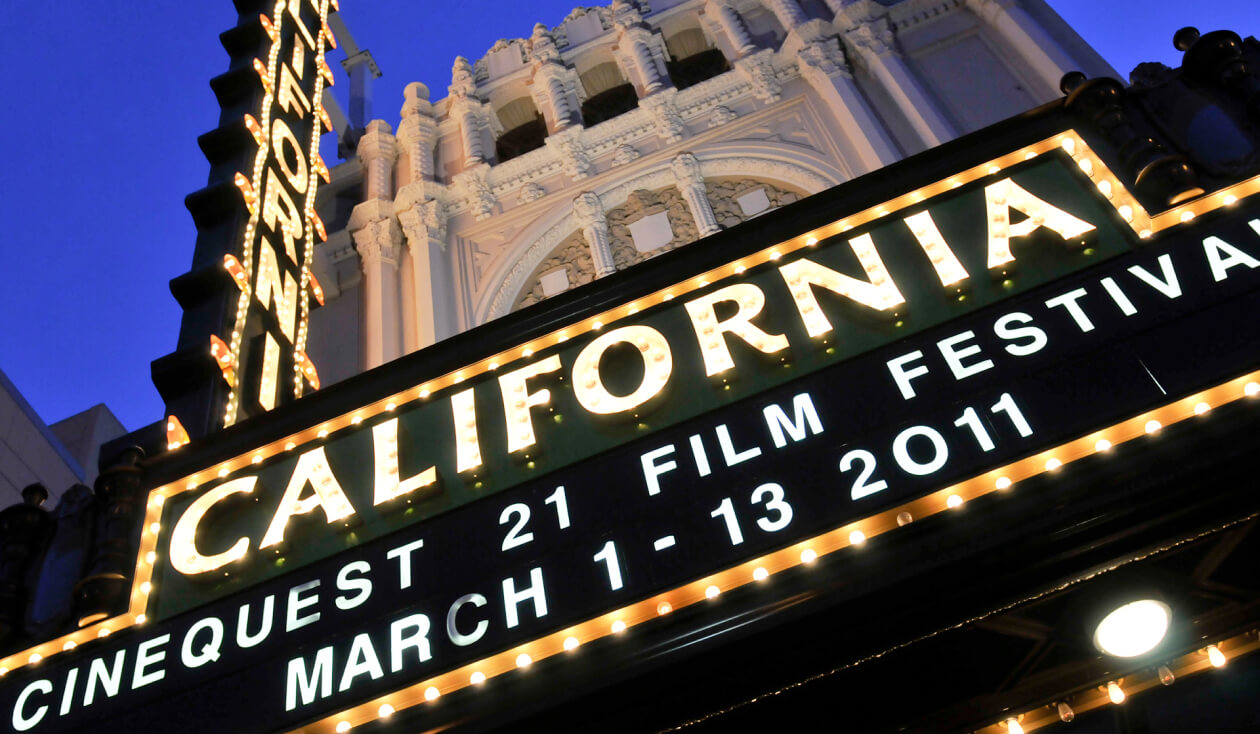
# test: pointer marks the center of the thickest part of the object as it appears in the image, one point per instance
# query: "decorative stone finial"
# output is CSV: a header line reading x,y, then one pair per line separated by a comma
x,y
1185,38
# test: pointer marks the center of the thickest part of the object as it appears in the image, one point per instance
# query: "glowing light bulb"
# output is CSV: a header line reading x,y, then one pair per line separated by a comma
x,y
1012,726
343,727
1102,445
431,693
857,537
477,678
1251,389
385,711
523,660
35,658
711,592
70,645
1215,656
809,555
1115,693
571,643
953,502
760,574
1133,629
1053,463
1187,216
904,519
618,627
1003,483
1153,426
1201,408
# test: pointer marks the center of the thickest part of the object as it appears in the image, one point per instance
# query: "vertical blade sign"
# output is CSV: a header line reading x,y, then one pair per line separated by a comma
x,y
268,335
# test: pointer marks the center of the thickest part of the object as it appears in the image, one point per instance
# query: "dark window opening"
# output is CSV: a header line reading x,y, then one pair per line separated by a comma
x,y
697,67
608,104
521,139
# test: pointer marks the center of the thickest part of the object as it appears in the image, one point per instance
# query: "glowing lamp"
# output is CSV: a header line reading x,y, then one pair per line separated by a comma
x,y
1133,629
255,129
332,40
224,358
305,364
1115,693
1215,656
317,290
272,31
263,76
237,271
1012,726
323,117
324,70
176,436
319,227
322,168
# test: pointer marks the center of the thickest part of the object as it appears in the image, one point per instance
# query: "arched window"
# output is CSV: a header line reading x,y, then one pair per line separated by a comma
x,y
524,128
608,94
692,59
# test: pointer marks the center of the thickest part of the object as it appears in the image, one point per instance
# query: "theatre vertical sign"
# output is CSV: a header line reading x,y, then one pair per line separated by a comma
x,y
262,357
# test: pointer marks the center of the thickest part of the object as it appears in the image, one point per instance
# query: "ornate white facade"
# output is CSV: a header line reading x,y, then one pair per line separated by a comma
x,y
441,231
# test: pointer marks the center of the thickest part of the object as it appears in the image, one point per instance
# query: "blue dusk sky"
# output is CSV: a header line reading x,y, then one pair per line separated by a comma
x,y
105,102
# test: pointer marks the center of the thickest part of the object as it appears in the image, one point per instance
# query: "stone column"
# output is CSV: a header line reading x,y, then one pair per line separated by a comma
x,y
554,86
466,107
731,26
867,143
690,183
1049,60
377,151
379,244
640,53
589,212
872,39
424,225
417,134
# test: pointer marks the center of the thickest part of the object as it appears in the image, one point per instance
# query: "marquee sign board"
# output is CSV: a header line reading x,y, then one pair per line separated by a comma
x,y
888,366
263,356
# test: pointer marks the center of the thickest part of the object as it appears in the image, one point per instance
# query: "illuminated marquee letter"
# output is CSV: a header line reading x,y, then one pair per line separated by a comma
x,y
291,95
185,557
709,329
467,445
281,214
517,400
944,261
658,365
879,293
385,452
312,468
1001,197
275,285
283,141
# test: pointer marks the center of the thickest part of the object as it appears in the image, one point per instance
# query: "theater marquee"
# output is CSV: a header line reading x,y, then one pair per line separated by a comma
x,y
793,402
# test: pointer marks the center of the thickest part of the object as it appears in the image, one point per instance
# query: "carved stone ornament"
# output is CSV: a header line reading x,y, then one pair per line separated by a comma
x,y
825,57
624,154
542,46
569,150
379,242
873,36
474,186
463,81
758,69
720,116
664,110
531,192
686,169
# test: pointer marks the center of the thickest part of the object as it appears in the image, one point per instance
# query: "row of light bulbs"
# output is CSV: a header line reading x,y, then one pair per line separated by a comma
x,y
805,553
1113,692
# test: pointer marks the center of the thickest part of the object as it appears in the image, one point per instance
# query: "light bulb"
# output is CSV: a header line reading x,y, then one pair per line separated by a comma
x,y
1215,656
1166,676
1012,726
1115,693
1066,714
1133,629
